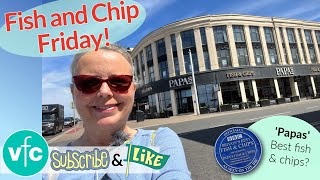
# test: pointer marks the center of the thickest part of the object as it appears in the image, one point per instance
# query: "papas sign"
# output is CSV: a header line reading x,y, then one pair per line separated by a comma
x,y
285,71
179,82
240,74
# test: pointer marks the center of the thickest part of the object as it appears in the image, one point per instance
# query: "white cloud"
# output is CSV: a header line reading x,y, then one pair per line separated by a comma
x,y
306,11
55,90
154,6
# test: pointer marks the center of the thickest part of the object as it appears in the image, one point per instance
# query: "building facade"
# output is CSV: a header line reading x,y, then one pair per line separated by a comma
x,y
236,59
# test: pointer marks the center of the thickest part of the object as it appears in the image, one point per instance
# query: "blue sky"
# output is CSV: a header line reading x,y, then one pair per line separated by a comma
x,y
55,71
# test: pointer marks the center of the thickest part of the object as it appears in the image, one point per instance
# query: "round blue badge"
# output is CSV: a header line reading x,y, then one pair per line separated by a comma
x,y
238,150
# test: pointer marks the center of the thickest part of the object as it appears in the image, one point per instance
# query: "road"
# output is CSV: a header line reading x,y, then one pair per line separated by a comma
x,y
198,136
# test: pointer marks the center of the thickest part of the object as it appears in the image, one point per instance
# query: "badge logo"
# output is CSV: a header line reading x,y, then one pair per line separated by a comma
x,y
25,152
238,150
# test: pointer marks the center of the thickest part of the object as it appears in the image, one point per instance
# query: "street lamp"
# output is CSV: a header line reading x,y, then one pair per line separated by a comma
x,y
194,85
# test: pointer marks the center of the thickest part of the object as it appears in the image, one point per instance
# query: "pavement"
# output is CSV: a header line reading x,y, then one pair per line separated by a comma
x,y
74,133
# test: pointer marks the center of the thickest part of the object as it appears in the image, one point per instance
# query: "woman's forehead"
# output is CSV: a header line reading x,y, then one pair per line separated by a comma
x,y
103,62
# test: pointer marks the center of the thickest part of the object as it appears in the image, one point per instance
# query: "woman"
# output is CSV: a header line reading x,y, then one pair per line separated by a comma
x,y
103,92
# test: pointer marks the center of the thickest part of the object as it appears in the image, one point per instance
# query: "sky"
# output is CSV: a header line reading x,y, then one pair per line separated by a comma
x,y
27,83
55,71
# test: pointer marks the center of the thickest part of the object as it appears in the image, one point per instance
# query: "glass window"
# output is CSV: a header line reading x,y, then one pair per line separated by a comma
x,y
151,107
151,74
273,55
308,36
266,89
269,35
291,35
149,53
194,61
163,70
173,42
161,47
187,38
203,36
254,34
312,55
224,57
206,60
207,97
318,36
220,34
242,56
145,80
165,101
238,33
136,66
258,55
230,92
295,55
176,65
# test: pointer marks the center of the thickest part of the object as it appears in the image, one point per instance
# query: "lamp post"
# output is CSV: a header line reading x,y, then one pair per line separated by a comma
x,y
194,85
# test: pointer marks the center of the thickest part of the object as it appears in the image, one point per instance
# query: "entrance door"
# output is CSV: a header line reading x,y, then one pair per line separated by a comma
x,y
184,99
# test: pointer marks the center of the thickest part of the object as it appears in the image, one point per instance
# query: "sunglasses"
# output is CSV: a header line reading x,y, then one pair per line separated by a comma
x,y
88,84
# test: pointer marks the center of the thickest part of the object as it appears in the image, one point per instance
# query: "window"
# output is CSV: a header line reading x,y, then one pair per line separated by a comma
x,y
308,36
318,36
206,60
151,74
273,55
203,36
207,97
269,35
165,101
163,70
220,34
238,34
161,47
258,55
136,66
295,55
242,56
187,38
224,57
175,55
145,80
149,53
266,89
187,62
254,34
152,108
291,35
312,55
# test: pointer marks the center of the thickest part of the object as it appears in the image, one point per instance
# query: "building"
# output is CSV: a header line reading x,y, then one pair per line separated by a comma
x,y
237,59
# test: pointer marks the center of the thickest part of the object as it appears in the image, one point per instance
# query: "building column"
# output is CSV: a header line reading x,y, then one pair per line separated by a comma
x,y
199,49
264,46
233,48
305,46
243,91
280,48
298,42
294,87
315,43
276,86
314,89
180,54
255,90
173,102
220,98
155,61
249,45
146,69
157,102
169,53
212,48
286,42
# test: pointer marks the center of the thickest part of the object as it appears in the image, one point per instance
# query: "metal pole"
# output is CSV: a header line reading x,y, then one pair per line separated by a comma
x,y
194,84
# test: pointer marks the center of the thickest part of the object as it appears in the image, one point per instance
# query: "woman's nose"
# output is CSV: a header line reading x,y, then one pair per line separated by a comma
x,y
104,90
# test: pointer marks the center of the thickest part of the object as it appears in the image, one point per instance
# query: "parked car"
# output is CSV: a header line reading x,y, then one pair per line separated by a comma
x,y
68,121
